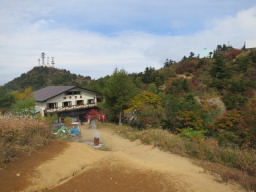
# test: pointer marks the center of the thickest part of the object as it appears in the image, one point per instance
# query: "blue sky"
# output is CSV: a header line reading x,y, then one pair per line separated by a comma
x,y
92,37
158,17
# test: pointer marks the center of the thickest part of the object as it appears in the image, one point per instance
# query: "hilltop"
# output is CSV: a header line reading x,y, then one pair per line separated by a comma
x,y
43,76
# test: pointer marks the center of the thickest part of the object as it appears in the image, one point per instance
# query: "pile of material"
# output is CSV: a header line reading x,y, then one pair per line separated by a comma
x,y
64,131
75,131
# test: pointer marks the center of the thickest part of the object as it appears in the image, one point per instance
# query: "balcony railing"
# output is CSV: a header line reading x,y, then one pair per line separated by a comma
x,y
69,108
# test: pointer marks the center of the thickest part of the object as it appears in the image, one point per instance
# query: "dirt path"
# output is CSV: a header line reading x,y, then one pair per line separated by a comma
x,y
17,175
126,166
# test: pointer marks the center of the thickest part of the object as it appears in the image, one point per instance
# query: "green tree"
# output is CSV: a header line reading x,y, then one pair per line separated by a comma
x,y
219,69
152,88
24,107
118,92
24,102
6,99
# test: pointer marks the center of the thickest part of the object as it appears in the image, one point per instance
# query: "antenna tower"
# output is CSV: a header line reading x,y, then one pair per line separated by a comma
x,y
48,61
43,57
39,61
52,62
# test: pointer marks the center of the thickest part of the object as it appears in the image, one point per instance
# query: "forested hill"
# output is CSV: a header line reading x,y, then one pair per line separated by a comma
x,y
227,73
41,76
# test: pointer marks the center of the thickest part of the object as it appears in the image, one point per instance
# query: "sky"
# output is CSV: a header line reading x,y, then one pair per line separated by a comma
x,y
93,37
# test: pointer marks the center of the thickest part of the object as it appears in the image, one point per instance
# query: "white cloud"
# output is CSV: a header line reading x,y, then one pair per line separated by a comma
x,y
90,53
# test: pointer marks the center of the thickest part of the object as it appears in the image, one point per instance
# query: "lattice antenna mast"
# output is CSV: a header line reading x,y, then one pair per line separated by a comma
x,y
43,57
48,61
52,62
39,61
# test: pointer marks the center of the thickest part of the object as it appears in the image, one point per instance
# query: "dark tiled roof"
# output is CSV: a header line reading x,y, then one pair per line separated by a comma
x,y
50,91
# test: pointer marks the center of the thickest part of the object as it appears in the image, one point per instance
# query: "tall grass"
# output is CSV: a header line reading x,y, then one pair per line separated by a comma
x,y
243,160
21,134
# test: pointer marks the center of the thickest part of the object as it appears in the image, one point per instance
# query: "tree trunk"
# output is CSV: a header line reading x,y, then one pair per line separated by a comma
x,y
120,118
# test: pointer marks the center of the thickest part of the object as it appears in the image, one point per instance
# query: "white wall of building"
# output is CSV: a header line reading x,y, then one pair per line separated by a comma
x,y
59,99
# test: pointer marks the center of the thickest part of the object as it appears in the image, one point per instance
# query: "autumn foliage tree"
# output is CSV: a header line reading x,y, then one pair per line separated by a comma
x,y
188,119
146,108
248,124
227,129
143,98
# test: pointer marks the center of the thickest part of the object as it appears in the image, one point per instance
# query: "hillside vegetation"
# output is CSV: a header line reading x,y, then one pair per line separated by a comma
x,y
199,98
40,77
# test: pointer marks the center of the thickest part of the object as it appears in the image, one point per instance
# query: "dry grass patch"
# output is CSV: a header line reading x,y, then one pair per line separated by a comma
x,y
21,134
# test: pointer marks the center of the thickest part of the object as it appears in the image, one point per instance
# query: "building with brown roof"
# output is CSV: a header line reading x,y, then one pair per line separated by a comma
x,y
66,101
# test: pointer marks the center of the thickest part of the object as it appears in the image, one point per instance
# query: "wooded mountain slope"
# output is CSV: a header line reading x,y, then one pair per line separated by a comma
x,y
41,76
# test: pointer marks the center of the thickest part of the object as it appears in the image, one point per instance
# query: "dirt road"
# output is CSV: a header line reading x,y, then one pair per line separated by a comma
x,y
124,166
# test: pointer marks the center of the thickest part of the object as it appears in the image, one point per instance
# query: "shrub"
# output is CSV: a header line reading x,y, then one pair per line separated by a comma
x,y
193,135
52,118
248,123
227,128
178,86
149,117
68,121
234,101
188,119
144,98
145,110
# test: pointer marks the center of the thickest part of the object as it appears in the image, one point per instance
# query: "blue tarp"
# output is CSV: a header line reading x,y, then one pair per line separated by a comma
x,y
75,131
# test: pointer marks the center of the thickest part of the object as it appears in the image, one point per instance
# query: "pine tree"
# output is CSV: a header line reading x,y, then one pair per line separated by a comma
x,y
118,92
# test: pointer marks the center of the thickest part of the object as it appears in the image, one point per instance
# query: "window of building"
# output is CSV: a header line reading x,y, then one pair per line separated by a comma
x,y
79,102
67,104
52,105
99,99
76,92
73,92
90,101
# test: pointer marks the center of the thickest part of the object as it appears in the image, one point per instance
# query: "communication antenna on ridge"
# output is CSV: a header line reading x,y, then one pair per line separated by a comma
x,y
52,62
48,61
43,57
39,61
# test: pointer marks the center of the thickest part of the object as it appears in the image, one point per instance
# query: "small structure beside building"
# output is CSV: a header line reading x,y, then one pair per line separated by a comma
x,y
66,101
